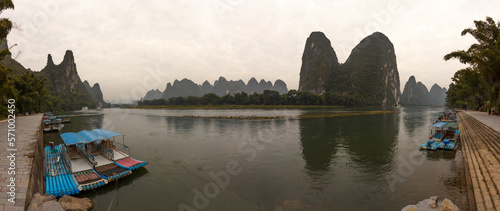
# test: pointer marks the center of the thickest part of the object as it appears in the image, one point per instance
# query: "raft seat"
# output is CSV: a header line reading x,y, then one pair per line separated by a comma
x,y
89,180
130,163
112,172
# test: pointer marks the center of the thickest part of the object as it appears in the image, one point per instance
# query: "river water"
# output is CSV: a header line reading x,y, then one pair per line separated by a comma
x,y
362,162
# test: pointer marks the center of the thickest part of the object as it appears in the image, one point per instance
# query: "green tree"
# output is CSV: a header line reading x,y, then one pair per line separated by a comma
x,y
484,59
31,93
271,97
6,89
210,99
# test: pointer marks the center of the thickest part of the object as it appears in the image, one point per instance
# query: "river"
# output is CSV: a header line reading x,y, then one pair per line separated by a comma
x,y
362,162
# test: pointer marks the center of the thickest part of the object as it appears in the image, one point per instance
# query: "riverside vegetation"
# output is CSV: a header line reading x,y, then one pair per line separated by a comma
x,y
477,85
267,98
54,88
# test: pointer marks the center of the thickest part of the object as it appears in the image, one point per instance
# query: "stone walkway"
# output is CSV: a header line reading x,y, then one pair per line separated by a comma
x,y
490,120
480,142
26,129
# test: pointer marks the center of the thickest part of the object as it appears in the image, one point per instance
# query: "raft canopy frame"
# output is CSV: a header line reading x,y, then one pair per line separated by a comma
x,y
72,138
95,139
110,135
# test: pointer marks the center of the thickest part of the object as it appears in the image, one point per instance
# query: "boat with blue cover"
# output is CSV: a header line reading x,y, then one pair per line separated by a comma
x,y
47,125
119,152
57,125
102,157
81,164
443,135
85,162
52,123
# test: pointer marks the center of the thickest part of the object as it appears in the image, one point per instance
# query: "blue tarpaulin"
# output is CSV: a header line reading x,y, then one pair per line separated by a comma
x,y
106,133
73,138
439,124
91,136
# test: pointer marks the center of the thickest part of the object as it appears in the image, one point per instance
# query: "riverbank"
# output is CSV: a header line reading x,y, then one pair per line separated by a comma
x,y
16,160
481,149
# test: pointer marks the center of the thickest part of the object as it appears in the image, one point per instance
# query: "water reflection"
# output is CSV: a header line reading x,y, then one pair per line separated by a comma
x,y
319,139
413,118
371,142
441,154
118,184
179,124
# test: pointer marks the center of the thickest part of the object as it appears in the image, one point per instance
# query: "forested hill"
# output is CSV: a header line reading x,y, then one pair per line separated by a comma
x,y
54,88
370,74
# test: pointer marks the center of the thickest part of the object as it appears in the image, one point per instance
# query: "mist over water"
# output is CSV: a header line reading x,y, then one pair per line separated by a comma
x,y
364,162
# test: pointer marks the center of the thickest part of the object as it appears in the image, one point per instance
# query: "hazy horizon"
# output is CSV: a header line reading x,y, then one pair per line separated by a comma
x,y
131,47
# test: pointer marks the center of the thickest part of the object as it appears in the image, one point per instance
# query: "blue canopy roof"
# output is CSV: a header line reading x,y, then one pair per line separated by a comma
x,y
106,133
73,138
90,136
439,124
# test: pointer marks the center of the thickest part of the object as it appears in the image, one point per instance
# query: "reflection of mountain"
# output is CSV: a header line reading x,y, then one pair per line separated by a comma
x,y
368,140
319,139
371,140
413,118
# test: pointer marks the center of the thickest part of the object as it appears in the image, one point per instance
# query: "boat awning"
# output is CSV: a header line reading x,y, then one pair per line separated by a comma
x,y
91,136
439,124
73,138
452,125
106,133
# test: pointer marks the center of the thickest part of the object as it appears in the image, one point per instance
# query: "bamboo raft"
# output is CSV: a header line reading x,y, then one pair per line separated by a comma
x,y
87,160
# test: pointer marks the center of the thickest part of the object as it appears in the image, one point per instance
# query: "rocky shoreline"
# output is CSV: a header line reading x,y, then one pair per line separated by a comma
x,y
49,202
432,204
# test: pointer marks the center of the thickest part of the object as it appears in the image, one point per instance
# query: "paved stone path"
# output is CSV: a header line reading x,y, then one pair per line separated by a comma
x,y
481,149
26,129
490,120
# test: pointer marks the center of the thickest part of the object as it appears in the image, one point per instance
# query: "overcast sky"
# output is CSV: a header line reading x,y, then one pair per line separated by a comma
x,y
129,47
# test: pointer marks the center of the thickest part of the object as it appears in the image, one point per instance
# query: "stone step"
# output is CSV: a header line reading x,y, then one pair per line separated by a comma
x,y
481,147
490,157
478,181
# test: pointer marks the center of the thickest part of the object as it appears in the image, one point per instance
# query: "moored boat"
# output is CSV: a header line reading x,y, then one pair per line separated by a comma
x,y
57,125
47,125
85,161
64,119
103,157
80,163
120,151
443,135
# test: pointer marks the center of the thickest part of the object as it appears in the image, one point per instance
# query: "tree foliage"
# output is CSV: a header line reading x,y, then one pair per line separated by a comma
x,y
26,89
268,97
479,84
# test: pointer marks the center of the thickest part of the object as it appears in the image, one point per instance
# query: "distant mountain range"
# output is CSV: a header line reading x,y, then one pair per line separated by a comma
x,y
416,94
221,87
370,74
